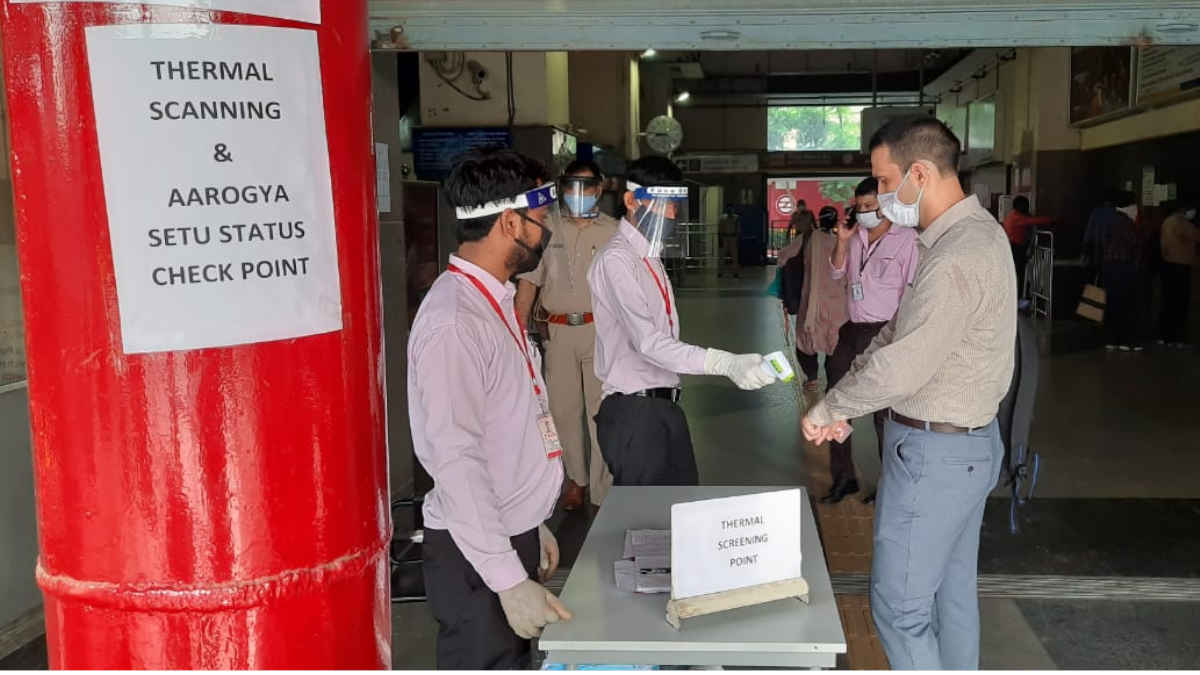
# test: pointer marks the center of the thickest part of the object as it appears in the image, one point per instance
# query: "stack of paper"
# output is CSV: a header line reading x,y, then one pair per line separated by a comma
x,y
646,564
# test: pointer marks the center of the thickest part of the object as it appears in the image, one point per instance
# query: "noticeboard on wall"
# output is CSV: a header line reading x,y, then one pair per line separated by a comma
x,y
1167,72
1101,83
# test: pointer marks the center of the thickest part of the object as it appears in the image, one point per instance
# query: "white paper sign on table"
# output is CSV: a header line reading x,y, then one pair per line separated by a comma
x,y
735,542
216,177
296,10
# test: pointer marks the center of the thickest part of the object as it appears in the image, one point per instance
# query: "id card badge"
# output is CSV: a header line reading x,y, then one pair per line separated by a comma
x,y
550,439
856,291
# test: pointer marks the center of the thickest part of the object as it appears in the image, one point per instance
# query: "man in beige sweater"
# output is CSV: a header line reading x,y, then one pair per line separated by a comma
x,y
939,369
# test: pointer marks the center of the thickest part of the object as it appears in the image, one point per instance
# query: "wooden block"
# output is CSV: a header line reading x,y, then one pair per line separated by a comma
x,y
686,608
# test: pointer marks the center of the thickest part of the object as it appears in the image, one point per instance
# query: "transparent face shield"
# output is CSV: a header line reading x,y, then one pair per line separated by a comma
x,y
580,196
657,210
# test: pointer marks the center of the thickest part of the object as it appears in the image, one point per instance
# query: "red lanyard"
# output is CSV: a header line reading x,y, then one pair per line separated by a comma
x,y
663,290
521,344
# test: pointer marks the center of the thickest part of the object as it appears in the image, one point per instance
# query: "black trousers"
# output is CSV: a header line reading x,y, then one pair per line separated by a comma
x,y
646,441
1177,299
1020,254
810,365
473,633
853,340
1123,302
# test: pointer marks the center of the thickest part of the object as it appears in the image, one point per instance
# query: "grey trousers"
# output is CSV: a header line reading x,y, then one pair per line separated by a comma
x,y
932,493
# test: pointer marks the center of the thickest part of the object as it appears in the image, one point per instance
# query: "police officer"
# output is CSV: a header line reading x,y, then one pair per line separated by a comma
x,y
481,424
580,230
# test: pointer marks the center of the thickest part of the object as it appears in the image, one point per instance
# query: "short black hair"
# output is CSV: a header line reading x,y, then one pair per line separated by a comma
x,y
485,175
868,186
581,165
1123,198
653,170
1021,204
916,138
827,218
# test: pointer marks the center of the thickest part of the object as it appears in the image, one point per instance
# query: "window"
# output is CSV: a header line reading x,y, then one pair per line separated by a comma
x,y
814,127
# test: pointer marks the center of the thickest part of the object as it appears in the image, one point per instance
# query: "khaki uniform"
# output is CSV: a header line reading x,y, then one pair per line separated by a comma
x,y
570,376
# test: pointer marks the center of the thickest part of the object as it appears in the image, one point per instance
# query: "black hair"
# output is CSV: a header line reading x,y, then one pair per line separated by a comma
x,y
911,139
486,175
581,165
653,170
1021,204
868,186
1123,198
828,217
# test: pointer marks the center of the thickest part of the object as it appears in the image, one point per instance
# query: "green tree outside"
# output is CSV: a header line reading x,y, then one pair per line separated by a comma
x,y
833,127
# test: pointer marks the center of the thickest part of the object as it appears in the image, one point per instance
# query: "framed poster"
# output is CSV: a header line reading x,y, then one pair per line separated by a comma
x,y
1167,72
1101,82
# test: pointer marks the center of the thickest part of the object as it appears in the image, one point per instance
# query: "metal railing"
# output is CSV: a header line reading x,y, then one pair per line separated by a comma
x,y
693,245
1038,285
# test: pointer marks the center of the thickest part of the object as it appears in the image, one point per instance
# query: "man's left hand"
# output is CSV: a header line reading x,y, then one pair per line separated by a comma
x,y
548,562
818,434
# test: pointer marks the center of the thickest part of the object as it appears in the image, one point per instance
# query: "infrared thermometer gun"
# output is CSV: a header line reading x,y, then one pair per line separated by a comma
x,y
777,366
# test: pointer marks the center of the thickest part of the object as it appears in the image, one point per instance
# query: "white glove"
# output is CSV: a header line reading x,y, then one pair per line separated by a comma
x,y
549,560
528,606
745,370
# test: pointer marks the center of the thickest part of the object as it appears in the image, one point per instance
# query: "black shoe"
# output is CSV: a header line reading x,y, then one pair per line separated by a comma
x,y
839,491
869,499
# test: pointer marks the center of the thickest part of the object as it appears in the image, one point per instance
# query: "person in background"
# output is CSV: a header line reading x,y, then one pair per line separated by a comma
x,y
1099,230
940,368
1180,244
579,231
1123,272
822,307
730,230
802,220
643,432
481,424
876,261
1017,225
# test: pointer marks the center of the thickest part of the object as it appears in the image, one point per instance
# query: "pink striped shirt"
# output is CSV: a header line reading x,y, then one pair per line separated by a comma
x,y
885,269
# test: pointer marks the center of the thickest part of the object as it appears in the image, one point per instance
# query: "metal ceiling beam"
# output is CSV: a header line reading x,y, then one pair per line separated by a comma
x,y
778,24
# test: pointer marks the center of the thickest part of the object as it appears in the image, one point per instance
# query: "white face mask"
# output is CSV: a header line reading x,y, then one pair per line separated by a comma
x,y
904,215
1190,214
869,219
1131,211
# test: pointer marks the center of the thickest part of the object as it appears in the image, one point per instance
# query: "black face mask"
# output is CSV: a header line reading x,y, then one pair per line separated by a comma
x,y
527,258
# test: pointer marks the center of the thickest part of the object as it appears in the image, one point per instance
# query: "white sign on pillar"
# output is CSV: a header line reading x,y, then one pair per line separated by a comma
x,y
735,542
297,10
217,183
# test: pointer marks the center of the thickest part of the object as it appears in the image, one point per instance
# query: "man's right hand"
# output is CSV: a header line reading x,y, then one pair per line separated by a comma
x,y
845,230
745,370
529,607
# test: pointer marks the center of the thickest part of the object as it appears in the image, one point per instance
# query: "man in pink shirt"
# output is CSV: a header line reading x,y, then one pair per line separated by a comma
x,y
481,424
643,433
877,261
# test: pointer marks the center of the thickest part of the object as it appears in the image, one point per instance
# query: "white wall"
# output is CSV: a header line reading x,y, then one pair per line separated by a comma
x,y
540,91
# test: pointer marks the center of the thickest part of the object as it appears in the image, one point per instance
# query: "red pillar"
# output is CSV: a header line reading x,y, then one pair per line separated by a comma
x,y
213,508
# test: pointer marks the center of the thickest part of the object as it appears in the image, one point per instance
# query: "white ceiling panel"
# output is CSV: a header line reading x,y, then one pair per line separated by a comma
x,y
779,24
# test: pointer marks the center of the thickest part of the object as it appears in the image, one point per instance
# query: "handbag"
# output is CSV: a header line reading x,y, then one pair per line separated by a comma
x,y
1092,303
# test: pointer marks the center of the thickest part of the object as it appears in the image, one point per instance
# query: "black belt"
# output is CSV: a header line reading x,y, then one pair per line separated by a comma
x,y
939,427
666,393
